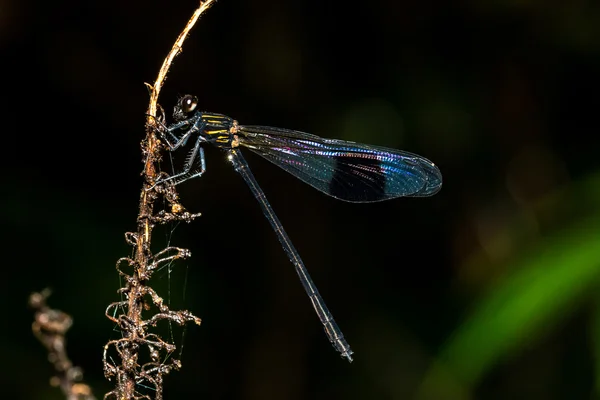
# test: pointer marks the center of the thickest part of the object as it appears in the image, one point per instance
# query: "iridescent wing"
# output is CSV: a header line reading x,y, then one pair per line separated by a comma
x,y
345,170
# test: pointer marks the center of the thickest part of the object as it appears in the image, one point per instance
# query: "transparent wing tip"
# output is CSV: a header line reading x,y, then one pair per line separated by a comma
x,y
434,179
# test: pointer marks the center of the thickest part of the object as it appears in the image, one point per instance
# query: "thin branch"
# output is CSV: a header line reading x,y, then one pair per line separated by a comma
x,y
175,50
50,327
141,358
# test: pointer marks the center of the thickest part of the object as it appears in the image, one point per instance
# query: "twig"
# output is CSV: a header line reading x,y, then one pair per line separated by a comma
x,y
175,50
50,327
128,365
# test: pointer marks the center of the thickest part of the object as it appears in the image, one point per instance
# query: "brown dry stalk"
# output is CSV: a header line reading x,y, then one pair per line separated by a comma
x,y
140,357
50,326
175,50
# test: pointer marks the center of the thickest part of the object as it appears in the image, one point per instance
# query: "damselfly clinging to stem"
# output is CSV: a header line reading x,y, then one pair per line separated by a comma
x,y
348,171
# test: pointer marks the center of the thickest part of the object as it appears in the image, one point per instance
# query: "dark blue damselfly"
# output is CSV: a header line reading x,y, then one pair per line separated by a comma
x,y
345,170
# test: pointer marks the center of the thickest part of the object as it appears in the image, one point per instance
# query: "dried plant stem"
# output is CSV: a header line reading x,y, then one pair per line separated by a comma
x,y
151,150
175,50
50,327
128,366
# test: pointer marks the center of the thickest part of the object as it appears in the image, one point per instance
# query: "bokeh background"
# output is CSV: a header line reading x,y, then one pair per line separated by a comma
x,y
488,290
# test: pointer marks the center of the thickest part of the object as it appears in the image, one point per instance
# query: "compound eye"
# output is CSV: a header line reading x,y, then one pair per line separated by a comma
x,y
189,103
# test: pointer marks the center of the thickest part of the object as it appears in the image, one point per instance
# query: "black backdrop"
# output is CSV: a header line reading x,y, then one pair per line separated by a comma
x,y
502,96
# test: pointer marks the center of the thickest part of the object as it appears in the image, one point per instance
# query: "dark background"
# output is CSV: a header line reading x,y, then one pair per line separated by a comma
x,y
488,290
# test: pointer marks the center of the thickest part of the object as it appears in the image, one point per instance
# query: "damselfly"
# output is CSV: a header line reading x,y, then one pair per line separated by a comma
x,y
345,170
